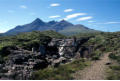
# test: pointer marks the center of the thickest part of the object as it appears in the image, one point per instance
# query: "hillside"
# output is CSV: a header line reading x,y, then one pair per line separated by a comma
x,y
29,39
1,34
76,29
53,34
63,27
18,51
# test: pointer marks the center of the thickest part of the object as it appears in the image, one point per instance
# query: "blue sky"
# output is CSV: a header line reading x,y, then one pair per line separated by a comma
x,y
96,14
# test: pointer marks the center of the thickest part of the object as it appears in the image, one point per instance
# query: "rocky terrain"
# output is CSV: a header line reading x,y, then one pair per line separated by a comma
x,y
50,55
22,63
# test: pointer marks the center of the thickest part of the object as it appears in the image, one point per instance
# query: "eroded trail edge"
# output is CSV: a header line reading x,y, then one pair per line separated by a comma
x,y
97,70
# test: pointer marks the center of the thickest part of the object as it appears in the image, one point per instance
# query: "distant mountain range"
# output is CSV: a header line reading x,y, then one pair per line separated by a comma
x,y
0,34
63,27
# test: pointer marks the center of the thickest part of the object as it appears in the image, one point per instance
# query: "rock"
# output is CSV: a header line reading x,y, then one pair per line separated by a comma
x,y
40,64
42,50
19,59
59,61
77,55
21,63
109,63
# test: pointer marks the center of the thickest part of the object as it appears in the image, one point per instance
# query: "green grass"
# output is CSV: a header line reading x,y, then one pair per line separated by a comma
x,y
63,72
114,70
53,34
114,73
30,39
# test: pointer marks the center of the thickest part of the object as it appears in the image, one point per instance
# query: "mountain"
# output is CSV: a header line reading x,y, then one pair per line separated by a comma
x,y
52,23
1,34
34,26
63,26
76,29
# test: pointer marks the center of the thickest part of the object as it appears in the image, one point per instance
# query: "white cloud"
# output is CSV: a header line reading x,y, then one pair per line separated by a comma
x,y
54,4
84,18
23,6
68,10
91,21
56,16
2,31
11,11
109,23
112,23
74,16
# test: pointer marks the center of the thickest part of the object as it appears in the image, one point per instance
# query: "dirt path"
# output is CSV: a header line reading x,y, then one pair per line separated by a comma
x,y
95,72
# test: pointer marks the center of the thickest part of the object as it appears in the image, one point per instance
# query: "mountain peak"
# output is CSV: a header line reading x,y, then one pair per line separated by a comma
x,y
52,22
39,25
38,21
63,20
66,22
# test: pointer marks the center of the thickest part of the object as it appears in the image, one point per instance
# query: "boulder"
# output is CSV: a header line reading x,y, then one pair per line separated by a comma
x,y
19,60
40,64
59,61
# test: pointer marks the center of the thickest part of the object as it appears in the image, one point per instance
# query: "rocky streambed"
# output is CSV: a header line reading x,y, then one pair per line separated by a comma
x,y
21,63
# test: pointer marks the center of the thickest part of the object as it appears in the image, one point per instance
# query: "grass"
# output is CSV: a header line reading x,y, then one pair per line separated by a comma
x,y
114,70
114,73
63,72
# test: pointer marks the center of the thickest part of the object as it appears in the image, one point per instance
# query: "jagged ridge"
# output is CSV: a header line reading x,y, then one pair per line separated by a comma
x,y
39,25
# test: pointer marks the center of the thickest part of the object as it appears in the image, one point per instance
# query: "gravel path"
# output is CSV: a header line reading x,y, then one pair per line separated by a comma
x,y
94,72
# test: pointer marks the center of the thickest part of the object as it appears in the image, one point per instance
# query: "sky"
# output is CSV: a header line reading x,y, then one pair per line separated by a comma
x,y
101,15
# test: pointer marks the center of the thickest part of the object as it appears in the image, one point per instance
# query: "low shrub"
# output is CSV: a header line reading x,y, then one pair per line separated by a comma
x,y
114,73
63,72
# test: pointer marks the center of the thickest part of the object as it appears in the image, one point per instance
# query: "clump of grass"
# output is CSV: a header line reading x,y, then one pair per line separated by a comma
x,y
115,56
112,56
96,55
114,73
63,72
114,70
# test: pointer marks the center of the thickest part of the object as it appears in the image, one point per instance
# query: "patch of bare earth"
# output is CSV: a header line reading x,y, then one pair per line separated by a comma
x,y
97,70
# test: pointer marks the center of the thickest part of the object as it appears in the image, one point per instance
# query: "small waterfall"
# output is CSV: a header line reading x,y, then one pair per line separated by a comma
x,y
61,49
